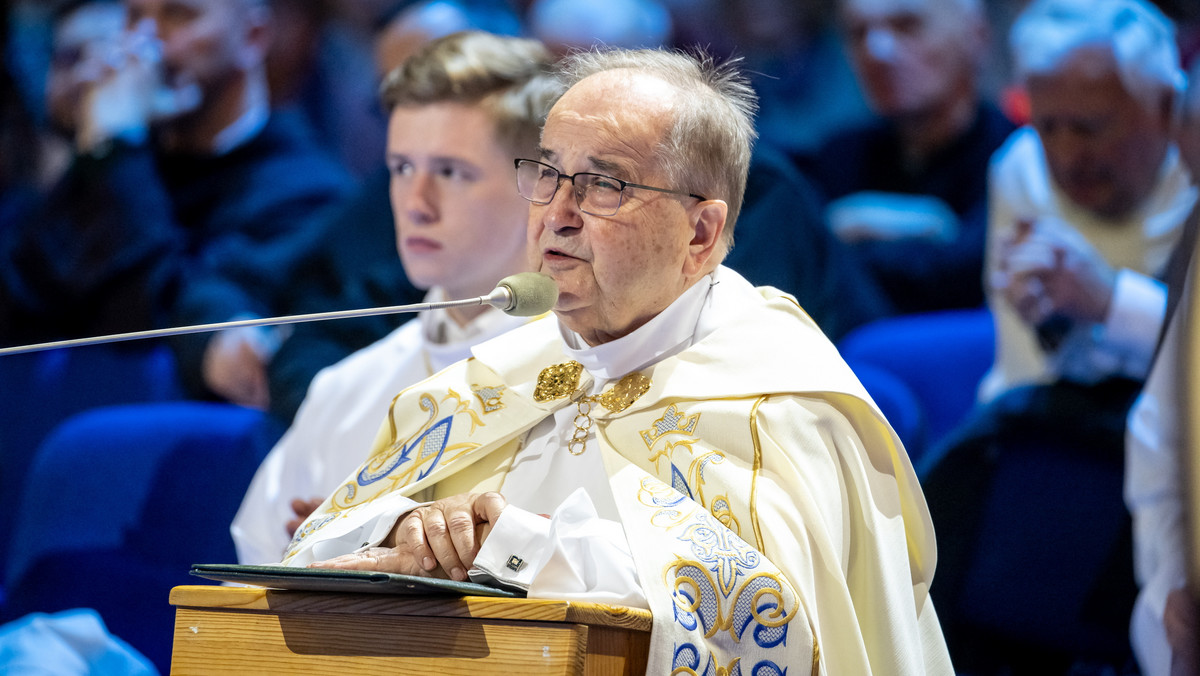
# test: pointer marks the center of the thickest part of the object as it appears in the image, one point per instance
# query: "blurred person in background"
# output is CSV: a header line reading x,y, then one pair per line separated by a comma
x,y
82,33
187,201
1086,206
1090,199
580,24
908,191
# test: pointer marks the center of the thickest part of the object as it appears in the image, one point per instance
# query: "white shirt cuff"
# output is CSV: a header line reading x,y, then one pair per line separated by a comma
x,y
514,550
369,527
1135,317
574,555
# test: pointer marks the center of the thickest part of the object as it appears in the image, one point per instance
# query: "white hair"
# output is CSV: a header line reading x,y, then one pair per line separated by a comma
x,y
1141,38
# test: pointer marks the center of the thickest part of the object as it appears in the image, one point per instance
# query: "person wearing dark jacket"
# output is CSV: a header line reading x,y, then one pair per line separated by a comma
x,y
909,191
188,201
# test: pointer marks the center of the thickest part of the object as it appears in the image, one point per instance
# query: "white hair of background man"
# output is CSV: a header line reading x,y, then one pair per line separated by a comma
x,y
1141,37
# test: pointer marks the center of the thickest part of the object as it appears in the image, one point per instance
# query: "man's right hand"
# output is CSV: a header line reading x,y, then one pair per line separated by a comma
x,y
439,539
1047,269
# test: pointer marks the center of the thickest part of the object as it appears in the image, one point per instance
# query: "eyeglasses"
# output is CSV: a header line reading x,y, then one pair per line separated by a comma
x,y
596,194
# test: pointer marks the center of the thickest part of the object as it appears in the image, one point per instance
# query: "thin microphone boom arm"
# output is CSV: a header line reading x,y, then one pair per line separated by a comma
x,y
243,323
504,297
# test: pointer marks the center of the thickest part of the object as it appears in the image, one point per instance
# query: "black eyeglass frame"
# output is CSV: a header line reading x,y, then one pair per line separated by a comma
x,y
579,195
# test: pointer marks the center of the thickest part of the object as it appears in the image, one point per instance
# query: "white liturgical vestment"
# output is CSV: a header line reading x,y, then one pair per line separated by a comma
x,y
339,416
771,515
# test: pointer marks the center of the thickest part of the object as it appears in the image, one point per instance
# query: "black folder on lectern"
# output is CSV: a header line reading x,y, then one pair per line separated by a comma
x,y
329,579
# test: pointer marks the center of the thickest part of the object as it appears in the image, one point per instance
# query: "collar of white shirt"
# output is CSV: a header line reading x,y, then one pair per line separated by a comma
x,y
670,332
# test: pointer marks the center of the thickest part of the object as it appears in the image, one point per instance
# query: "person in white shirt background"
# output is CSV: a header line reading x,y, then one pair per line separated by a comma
x,y
1165,625
1088,202
461,109
1086,205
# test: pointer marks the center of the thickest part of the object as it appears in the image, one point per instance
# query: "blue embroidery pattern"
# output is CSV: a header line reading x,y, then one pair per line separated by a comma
x,y
412,459
722,589
432,441
309,527
679,482
687,661
682,428
725,554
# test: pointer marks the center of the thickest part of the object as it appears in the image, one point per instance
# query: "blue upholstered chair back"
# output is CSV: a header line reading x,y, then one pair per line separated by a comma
x,y
939,356
39,390
120,501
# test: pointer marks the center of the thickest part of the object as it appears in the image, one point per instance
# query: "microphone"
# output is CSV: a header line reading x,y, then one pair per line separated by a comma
x,y
525,294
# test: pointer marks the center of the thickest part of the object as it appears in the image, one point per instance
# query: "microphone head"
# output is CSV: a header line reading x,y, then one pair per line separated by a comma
x,y
530,294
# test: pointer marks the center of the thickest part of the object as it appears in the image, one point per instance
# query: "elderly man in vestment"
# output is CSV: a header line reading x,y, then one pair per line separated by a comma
x,y
698,445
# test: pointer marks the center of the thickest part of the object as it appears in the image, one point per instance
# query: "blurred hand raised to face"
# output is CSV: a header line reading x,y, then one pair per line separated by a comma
x,y
125,90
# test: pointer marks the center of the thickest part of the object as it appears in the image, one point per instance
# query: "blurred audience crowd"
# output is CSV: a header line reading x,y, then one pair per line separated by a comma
x,y
1025,165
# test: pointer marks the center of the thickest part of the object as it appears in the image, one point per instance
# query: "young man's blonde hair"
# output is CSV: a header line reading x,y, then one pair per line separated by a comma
x,y
509,78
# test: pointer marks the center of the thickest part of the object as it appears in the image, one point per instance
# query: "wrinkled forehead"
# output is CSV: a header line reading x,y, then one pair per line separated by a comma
x,y
619,116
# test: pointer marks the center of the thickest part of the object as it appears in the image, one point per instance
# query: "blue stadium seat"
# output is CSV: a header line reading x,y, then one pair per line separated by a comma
x,y
121,501
1034,557
940,356
39,390
897,402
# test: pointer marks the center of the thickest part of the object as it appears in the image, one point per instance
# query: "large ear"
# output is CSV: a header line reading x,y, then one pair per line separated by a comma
x,y
707,246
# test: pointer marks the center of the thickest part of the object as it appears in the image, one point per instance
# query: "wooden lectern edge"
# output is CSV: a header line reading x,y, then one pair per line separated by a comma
x,y
278,600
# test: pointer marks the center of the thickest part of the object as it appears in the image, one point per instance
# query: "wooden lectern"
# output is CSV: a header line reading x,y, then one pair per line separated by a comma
x,y
242,630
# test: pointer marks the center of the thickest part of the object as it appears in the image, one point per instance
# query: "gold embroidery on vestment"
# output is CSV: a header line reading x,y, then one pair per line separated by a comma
x,y
622,395
755,470
672,421
489,397
557,381
561,380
